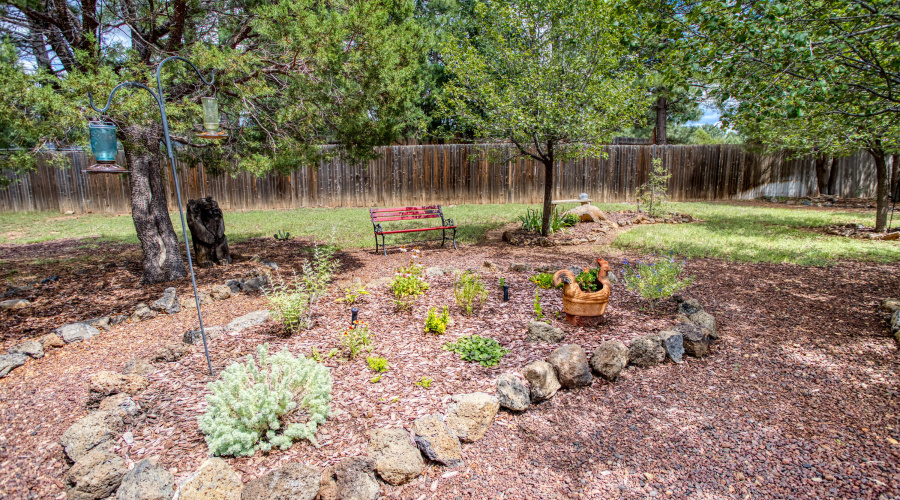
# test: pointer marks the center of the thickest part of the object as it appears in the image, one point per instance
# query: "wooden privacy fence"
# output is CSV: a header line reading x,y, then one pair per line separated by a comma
x,y
452,174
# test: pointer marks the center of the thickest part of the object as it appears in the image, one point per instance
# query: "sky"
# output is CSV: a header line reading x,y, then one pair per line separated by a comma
x,y
710,117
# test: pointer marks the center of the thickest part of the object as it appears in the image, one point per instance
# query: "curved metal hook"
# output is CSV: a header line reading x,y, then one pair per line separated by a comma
x,y
111,94
212,76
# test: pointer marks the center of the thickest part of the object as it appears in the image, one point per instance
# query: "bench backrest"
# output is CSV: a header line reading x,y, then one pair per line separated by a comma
x,y
405,213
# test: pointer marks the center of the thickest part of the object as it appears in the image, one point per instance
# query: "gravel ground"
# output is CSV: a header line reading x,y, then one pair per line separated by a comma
x,y
798,399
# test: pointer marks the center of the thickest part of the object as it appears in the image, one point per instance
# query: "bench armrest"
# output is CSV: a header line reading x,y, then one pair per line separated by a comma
x,y
447,221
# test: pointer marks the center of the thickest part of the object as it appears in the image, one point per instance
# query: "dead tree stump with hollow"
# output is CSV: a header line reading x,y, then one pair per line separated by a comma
x,y
204,219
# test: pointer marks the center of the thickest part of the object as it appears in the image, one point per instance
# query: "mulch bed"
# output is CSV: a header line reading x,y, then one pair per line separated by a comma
x,y
602,232
857,231
798,399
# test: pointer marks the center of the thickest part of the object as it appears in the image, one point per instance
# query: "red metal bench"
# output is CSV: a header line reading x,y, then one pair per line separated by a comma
x,y
380,215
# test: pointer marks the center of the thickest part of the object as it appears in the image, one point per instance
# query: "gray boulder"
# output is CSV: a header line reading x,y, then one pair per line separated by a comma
x,y
120,404
888,306
542,377
95,475
469,416
539,331
101,323
13,304
194,337
687,306
512,392
168,303
694,339
214,480
90,431
352,478
146,481
646,351
234,286
570,362
220,292
255,283
672,342
31,348
609,359
518,267
397,460
76,332
171,352
437,441
895,321
142,312
249,320
707,321
433,272
293,481
9,362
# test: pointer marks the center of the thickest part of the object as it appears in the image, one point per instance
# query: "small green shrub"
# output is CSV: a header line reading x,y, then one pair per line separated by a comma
x,y
543,280
376,379
317,271
655,281
587,280
653,193
290,303
255,405
538,311
425,382
282,236
435,323
377,364
485,351
533,220
408,285
470,292
501,282
356,339
352,294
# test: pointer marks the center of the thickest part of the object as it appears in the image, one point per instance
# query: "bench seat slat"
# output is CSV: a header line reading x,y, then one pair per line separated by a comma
x,y
416,230
435,213
403,209
411,217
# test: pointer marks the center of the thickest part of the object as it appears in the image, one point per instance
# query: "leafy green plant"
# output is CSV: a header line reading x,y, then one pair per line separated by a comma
x,y
356,339
425,382
502,282
408,285
253,405
317,270
315,355
653,193
377,364
483,350
376,379
538,311
655,281
469,291
543,280
533,219
352,294
282,236
437,323
587,280
290,303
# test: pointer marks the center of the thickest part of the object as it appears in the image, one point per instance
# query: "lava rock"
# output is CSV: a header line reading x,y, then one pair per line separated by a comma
x,y
469,416
189,302
120,404
101,323
687,306
353,478
146,481
695,339
11,305
397,460
570,362
142,313
32,348
542,377
138,366
214,480
888,306
609,359
234,286
293,481
646,351
220,292
194,337
518,267
89,432
9,362
106,383
513,392
51,340
248,320
437,441
171,352
707,321
95,475
168,303
539,331
672,342
76,332
255,283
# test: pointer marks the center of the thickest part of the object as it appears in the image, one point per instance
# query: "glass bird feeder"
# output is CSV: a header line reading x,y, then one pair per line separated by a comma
x,y
211,119
105,148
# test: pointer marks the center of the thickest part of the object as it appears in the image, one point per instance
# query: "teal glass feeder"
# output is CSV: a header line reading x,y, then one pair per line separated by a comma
x,y
105,148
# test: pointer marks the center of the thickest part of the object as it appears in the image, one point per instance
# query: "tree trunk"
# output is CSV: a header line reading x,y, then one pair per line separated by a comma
x,y
823,173
548,189
882,188
895,176
204,219
162,254
662,111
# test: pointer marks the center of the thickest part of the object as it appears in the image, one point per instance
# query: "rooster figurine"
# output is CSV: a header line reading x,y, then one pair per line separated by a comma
x,y
584,308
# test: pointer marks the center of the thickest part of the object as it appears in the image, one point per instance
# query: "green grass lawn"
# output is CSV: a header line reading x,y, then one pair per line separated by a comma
x,y
740,233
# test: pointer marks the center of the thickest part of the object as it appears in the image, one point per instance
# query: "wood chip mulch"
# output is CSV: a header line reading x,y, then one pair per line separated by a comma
x,y
798,400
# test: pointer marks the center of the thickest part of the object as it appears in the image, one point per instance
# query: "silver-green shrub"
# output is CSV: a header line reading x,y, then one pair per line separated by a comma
x,y
254,406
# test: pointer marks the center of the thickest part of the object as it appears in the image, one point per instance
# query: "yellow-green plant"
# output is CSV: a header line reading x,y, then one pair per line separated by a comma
x,y
356,339
425,382
352,294
290,303
408,285
377,364
437,323
469,292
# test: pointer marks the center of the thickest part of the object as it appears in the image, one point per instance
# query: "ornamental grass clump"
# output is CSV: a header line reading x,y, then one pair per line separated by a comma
x,y
655,281
267,403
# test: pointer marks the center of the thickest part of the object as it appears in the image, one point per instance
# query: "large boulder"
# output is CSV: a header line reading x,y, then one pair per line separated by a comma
x,y
168,303
194,337
142,312
437,441
609,359
9,362
146,481
353,478
234,286
95,475
120,404
539,331
171,352
248,320
646,351
89,432
570,362
694,339
673,343
106,383
469,416
293,481
513,392
76,332
397,459
214,480
542,377
587,213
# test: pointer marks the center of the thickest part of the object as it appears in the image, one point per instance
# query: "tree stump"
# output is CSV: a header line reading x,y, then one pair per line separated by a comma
x,y
204,219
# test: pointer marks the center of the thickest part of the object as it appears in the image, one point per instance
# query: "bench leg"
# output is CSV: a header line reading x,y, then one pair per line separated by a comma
x,y
383,247
376,243
454,239
443,237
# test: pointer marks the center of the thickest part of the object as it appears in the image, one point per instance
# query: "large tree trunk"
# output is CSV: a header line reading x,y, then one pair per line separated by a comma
x,y
895,176
662,111
823,173
548,189
162,254
882,188
204,219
